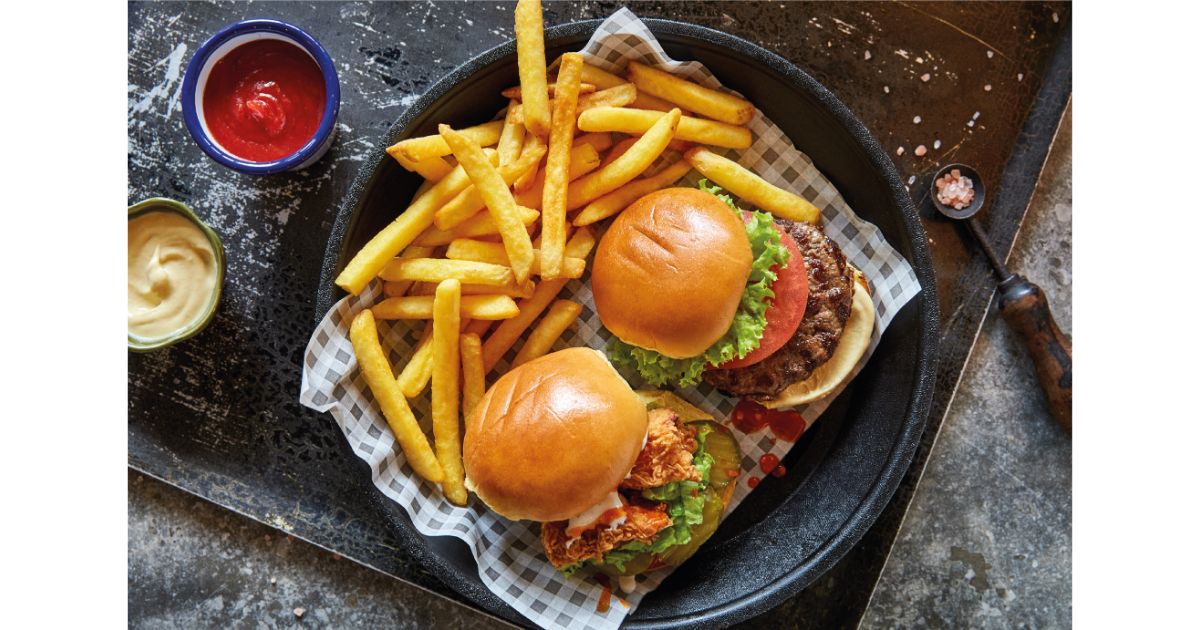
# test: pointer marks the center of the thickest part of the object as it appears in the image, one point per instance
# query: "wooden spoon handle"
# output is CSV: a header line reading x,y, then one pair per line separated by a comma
x,y
1024,307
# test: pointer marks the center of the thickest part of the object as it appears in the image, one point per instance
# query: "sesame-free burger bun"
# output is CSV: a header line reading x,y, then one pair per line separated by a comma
x,y
553,436
670,272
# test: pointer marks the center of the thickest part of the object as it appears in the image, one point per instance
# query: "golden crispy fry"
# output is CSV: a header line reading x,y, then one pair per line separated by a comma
x,y
531,65
479,327
515,91
532,144
640,156
482,251
558,161
602,79
438,269
397,289
469,202
507,333
646,101
495,193
512,136
619,199
479,225
425,147
558,319
447,441
708,102
584,159
489,307
616,96
751,188
432,169
415,375
472,371
637,121
378,374
523,290
599,141
400,233
617,151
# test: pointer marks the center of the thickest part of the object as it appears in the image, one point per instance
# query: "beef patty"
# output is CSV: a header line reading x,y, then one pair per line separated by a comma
x,y
830,293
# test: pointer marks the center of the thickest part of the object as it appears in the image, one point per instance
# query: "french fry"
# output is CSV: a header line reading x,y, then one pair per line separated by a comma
x,y
599,141
617,151
507,333
585,160
495,193
628,166
532,144
619,199
512,136
469,202
645,101
478,327
558,319
364,337
469,249
558,161
446,437
616,96
751,188
602,79
432,169
637,121
708,102
425,147
531,65
523,290
551,89
472,371
477,226
488,307
400,233
397,289
438,269
415,375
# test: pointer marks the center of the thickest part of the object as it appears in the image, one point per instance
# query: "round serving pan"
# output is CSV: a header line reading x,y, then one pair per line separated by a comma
x,y
844,470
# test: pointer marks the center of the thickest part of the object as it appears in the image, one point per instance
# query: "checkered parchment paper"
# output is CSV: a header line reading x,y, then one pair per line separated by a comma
x,y
509,554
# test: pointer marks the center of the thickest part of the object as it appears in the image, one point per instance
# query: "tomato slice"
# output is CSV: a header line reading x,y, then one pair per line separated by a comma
x,y
786,309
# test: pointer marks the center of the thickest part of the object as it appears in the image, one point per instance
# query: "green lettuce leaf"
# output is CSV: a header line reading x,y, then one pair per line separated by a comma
x,y
749,321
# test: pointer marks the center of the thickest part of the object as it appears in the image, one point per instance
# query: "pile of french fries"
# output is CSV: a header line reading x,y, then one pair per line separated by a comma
x,y
509,200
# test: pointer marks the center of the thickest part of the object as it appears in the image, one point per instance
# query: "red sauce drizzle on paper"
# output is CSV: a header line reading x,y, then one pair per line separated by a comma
x,y
605,593
750,416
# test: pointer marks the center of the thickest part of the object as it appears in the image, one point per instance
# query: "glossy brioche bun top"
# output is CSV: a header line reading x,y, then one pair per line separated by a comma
x,y
553,436
670,272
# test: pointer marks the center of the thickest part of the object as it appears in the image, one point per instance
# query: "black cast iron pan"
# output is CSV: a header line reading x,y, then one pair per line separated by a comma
x,y
845,469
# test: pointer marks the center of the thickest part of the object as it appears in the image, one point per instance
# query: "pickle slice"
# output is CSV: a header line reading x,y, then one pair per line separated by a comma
x,y
727,457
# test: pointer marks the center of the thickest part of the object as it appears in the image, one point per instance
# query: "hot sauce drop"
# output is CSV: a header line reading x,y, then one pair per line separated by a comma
x,y
750,416
768,462
264,100
752,482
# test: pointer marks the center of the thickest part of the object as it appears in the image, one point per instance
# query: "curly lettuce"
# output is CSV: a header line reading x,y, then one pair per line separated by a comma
x,y
749,321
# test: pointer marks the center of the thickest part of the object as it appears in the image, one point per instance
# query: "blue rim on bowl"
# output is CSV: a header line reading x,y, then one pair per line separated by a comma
x,y
162,204
220,44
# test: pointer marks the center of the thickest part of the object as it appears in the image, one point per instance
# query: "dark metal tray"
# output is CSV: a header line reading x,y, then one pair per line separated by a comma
x,y
842,472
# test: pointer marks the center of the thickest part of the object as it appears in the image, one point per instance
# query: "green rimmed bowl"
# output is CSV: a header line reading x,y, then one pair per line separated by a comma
x,y
162,204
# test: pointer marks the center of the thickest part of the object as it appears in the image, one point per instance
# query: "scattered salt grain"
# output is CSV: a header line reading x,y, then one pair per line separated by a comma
x,y
970,123
911,179
1054,16
990,54
1020,76
887,90
920,60
987,88
919,151
299,612
866,55
916,120
937,144
975,116
899,150
925,77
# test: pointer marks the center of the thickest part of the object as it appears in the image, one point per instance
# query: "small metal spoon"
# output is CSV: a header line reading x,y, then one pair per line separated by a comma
x,y
1022,304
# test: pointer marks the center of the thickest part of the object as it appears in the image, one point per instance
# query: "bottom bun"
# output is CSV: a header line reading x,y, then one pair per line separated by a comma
x,y
856,337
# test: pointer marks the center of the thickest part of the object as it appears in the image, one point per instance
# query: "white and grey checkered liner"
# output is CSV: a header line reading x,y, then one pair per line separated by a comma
x,y
509,554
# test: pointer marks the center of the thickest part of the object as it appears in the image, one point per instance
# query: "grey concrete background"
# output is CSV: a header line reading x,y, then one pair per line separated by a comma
x,y
986,543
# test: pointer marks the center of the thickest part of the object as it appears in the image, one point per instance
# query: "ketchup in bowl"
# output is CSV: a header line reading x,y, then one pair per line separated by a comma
x,y
264,100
